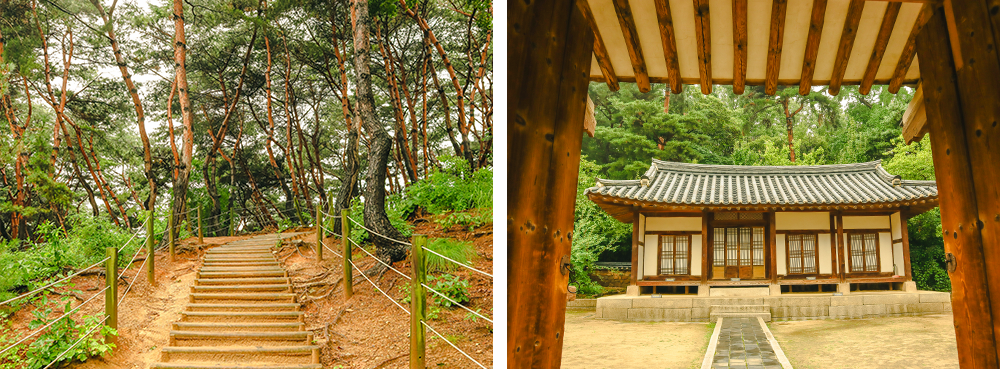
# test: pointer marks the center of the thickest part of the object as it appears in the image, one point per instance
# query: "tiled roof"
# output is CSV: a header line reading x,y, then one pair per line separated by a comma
x,y
671,183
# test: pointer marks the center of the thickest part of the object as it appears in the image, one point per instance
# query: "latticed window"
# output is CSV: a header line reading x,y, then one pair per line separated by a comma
x,y
739,216
738,246
719,245
864,252
675,254
802,254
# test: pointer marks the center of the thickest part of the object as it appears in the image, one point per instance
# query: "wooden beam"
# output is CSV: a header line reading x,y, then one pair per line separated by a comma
x,y
740,45
905,234
627,24
668,39
840,244
915,118
773,244
705,244
600,50
888,22
703,34
774,43
812,46
847,37
589,121
545,107
909,50
971,299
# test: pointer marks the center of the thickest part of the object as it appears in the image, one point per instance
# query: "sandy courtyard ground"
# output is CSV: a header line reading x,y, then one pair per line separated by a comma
x,y
593,343
903,342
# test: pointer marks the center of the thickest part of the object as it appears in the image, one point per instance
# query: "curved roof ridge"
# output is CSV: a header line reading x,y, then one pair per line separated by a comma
x,y
764,169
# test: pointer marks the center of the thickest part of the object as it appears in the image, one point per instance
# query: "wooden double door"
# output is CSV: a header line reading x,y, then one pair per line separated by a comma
x,y
738,252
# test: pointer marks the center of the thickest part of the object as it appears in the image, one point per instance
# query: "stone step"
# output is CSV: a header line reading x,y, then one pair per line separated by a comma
x,y
244,287
243,296
230,326
739,311
214,281
304,336
246,274
264,306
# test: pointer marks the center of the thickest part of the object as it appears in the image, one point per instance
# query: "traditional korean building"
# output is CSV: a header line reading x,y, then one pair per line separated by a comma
x,y
699,228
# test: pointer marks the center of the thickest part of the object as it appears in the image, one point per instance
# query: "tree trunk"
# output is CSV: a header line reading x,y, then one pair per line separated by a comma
x,y
378,152
349,181
187,116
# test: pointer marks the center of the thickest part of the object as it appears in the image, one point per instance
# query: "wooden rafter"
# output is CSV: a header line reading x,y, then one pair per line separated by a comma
x,y
627,23
812,45
774,43
909,50
667,37
846,44
600,50
739,45
888,22
703,33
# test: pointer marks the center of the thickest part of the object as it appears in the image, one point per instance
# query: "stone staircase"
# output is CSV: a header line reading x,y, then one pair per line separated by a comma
x,y
242,314
739,311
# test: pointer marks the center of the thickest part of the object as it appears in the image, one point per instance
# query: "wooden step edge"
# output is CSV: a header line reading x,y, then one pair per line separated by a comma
x,y
305,336
238,349
244,313
233,366
211,281
224,325
287,305
243,287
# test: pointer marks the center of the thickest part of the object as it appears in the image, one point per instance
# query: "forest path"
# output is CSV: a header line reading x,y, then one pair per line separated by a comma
x,y
242,313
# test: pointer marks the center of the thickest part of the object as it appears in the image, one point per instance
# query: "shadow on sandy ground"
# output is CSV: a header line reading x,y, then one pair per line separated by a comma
x,y
901,342
594,343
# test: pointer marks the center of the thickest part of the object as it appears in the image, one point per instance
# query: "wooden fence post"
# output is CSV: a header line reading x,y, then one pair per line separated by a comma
x,y
232,225
170,233
111,293
319,231
150,257
418,302
345,235
201,234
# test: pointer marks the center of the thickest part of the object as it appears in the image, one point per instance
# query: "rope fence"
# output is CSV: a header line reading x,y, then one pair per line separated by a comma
x,y
418,285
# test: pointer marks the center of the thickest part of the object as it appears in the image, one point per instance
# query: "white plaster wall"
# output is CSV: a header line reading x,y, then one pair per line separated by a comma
x,y
696,254
897,256
639,271
897,231
652,246
866,222
673,224
825,253
799,220
885,250
779,246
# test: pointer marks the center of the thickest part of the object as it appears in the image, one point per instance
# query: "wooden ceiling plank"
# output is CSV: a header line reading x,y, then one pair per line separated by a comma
x,y
910,50
703,33
812,46
669,40
739,45
627,22
774,44
888,22
600,50
847,37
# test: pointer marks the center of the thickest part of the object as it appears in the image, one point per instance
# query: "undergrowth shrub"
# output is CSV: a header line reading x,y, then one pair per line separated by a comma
x,y
453,187
460,251
61,335
454,287
469,220
392,209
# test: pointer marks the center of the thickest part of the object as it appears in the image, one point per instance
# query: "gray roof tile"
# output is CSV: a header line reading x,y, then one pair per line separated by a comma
x,y
699,184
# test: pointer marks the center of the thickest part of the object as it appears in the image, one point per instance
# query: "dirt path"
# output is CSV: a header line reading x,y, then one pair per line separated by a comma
x,y
903,342
593,343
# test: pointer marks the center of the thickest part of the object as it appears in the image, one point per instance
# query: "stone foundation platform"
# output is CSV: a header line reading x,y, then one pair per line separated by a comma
x,y
806,306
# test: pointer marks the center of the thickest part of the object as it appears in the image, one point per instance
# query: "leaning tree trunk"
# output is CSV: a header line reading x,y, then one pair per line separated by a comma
x,y
187,116
349,181
378,151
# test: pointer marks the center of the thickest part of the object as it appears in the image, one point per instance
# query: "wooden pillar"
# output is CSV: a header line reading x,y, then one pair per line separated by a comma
x,y
904,214
960,99
635,246
772,243
835,253
549,51
705,243
840,246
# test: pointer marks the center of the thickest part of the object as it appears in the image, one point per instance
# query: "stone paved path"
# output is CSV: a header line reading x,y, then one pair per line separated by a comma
x,y
743,344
